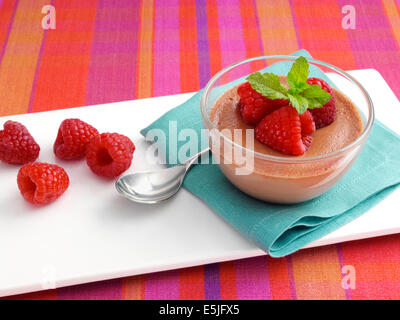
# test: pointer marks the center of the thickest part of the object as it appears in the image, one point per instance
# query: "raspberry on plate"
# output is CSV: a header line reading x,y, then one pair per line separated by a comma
x,y
17,146
72,139
41,183
326,115
286,131
110,154
253,106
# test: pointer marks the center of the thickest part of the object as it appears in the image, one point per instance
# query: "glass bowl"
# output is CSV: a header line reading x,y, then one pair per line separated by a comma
x,y
274,177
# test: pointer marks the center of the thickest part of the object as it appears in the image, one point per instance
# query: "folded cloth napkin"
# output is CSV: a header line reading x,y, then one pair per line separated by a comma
x,y
282,229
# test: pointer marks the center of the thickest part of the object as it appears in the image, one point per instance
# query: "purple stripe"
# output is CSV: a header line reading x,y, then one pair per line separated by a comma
x,y
381,51
231,36
162,286
341,263
166,55
212,289
296,27
104,290
112,66
117,23
3,49
252,280
123,47
115,4
202,43
260,42
369,17
292,284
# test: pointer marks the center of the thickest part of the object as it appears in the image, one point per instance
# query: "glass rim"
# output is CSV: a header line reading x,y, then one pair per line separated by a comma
x,y
366,130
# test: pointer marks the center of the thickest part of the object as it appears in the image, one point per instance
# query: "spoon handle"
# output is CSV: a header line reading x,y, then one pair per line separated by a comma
x,y
193,159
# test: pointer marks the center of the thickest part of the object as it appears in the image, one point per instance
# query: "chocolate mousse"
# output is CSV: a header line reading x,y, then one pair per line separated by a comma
x,y
284,181
345,129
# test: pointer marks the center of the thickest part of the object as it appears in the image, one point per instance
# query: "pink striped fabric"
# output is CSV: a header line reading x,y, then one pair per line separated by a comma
x,y
104,51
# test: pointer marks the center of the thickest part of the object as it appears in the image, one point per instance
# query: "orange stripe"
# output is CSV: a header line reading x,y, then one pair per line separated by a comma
x,y
277,30
6,14
144,76
250,34
227,279
329,42
191,283
17,69
394,18
62,77
317,274
376,262
188,46
213,37
133,288
278,279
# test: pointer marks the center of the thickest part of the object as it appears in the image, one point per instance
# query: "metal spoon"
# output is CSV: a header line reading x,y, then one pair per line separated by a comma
x,y
155,186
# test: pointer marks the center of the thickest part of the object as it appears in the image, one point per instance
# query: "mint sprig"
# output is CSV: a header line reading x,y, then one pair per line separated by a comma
x,y
268,84
298,74
301,95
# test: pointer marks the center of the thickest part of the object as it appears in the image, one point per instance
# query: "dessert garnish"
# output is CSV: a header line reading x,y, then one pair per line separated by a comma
x,y
301,95
17,146
41,183
286,131
285,118
326,115
254,107
72,139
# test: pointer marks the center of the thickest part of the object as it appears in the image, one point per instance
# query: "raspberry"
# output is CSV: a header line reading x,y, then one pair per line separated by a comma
x,y
307,123
282,130
72,139
41,183
306,141
110,154
17,146
253,106
326,115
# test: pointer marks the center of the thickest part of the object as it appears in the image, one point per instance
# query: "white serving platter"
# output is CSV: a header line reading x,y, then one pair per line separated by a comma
x,y
91,233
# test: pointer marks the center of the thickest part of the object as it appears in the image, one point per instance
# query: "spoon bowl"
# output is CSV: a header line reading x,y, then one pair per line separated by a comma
x,y
151,187
155,186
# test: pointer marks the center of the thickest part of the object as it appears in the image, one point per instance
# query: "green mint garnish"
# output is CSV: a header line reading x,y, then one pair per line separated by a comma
x,y
268,84
298,74
301,95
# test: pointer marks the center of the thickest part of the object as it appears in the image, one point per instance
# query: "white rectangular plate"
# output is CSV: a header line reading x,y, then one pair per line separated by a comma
x,y
91,233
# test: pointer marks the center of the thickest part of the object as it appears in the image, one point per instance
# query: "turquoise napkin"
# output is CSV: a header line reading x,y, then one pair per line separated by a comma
x,y
282,229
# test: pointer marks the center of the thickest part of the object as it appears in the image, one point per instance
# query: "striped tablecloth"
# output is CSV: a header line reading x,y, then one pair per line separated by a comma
x,y
112,50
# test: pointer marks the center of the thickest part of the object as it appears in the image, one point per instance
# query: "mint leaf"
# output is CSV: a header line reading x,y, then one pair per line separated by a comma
x,y
301,95
298,74
316,96
299,102
268,85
